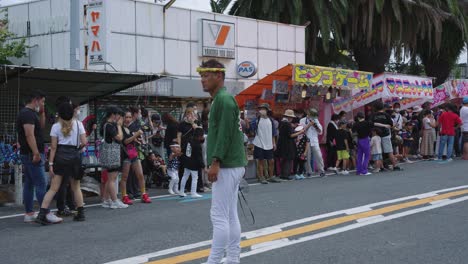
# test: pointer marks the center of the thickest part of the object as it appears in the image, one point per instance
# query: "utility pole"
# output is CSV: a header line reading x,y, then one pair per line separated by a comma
x,y
75,34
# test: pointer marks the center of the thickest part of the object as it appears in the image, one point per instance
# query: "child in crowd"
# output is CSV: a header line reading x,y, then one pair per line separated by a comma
x,y
407,136
342,146
158,162
302,147
376,150
195,162
173,168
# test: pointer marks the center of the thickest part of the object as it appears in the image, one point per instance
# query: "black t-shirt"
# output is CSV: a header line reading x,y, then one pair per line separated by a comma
x,y
382,118
186,130
29,116
341,136
111,132
363,129
171,134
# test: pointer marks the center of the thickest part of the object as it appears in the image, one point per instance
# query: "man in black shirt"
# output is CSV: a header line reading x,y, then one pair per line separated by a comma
x,y
383,121
332,129
363,130
29,124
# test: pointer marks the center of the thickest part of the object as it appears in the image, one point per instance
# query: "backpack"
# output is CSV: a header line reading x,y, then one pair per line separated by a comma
x,y
254,133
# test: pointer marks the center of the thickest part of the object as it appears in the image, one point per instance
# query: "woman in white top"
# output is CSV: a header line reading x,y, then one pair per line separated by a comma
x,y
427,143
68,136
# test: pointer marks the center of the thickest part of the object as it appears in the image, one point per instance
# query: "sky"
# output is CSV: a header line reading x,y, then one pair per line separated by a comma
x,y
200,5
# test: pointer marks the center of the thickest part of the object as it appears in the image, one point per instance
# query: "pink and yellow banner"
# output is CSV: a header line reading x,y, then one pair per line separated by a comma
x,y
324,76
457,88
389,85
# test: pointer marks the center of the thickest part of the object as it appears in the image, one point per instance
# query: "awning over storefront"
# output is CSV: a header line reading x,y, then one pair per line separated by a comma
x,y
80,85
412,90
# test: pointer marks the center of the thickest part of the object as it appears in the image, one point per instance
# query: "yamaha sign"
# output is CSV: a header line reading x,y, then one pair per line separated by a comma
x,y
246,69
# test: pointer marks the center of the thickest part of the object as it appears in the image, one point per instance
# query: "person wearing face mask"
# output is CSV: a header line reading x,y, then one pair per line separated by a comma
x,y
184,135
29,124
397,117
264,143
286,148
313,129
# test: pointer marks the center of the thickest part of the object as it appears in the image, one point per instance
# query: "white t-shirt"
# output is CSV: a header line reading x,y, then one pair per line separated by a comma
x,y
264,136
376,145
71,139
464,118
312,133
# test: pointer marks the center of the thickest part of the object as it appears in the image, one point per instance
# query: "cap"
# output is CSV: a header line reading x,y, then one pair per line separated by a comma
x,y
298,128
289,113
313,112
155,117
265,105
465,100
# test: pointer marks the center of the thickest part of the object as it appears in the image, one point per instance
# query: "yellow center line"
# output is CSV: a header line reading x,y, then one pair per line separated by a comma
x,y
312,227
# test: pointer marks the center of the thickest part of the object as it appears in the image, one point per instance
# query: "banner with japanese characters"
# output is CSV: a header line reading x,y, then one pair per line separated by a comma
x,y
400,85
97,32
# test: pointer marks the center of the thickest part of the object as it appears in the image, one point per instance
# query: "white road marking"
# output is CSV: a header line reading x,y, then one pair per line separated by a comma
x,y
427,195
351,227
358,210
440,201
361,220
270,229
270,243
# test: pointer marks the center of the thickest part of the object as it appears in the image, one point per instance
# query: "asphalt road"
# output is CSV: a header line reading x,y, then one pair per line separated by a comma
x,y
429,228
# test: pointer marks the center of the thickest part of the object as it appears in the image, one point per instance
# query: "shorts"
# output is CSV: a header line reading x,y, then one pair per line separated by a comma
x,y
387,145
376,157
408,143
342,154
465,137
262,154
131,161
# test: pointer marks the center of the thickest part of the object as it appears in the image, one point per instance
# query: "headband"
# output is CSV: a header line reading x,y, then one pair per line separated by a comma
x,y
201,69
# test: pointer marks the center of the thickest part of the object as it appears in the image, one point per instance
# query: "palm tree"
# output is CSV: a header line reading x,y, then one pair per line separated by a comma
x,y
219,6
438,63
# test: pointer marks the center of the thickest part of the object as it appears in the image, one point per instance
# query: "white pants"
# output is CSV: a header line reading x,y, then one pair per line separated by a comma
x,y
226,225
187,174
315,153
174,183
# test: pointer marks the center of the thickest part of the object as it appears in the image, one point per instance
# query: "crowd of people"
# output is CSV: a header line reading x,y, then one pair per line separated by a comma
x,y
132,141
287,147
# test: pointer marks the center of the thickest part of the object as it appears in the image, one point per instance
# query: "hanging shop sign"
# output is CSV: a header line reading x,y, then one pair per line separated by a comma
x,y
217,39
97,30
458,88
408,86
441,94
324,76
246,69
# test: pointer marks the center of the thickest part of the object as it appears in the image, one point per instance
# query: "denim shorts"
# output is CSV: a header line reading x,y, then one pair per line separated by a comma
x,y
376,157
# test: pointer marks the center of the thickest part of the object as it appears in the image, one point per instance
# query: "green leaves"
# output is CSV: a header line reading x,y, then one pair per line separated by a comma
x,y
9,48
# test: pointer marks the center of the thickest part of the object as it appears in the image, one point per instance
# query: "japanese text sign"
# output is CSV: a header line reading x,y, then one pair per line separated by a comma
x,y
323,76
408,86
95,17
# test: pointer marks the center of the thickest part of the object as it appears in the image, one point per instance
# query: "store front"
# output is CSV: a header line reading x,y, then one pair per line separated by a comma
x,y
81,86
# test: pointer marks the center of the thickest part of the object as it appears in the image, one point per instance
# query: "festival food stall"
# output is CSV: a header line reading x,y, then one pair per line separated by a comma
x,y
299,87
408,90
450,91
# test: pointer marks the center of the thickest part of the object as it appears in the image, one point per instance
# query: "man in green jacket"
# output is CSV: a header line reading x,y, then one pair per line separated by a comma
x,y
225,153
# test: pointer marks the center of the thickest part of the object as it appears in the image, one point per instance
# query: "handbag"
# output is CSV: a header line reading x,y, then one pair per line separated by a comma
x,y
131,151
109,153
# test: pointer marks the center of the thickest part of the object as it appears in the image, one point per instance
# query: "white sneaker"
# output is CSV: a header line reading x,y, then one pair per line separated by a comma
x,y
182,194
30,218
171,191
367,174
106,203
52,218
344,172
332,169
196,195
449,160
117,204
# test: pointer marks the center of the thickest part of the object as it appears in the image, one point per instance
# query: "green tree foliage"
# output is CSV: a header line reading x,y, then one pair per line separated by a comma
x,y
219,6
8,48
